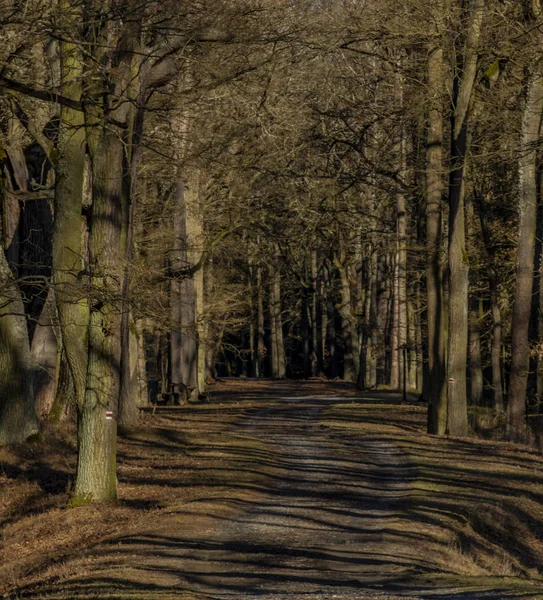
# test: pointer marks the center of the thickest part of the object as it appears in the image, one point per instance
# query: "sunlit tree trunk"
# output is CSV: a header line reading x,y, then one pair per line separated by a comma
x,y
527,171
457,419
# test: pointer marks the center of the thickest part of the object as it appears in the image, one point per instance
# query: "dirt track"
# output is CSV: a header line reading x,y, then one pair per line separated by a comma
x,y
316,512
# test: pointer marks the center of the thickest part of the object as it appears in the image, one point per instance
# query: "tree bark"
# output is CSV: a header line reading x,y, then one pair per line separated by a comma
x,y
278,348
316,319
261,343
457,419
97,427
17,408
347,322
45,357
331,324
183,335
437,406
527,173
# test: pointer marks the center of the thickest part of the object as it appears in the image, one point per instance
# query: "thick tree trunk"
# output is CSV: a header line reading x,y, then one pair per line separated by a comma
x,y
70,271
97,428
527,168
457,419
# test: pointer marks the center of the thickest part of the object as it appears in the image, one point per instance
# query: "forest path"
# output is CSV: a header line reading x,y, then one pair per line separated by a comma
x,y
313,511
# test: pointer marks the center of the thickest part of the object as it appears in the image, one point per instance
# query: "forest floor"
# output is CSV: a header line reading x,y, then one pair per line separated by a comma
x,y
278,490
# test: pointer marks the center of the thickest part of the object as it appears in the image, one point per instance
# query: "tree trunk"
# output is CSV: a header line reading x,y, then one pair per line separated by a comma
x,y
70,271
527,169
261,343
496,347
97,428
45,357
278,348
412,343
437,406
457,418
347,323
331,324
17,408
305,323
316,319
474,354
183,335
383,301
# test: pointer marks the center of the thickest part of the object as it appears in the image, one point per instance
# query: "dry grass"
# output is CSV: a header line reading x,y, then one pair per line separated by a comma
x,y
488,494
176,456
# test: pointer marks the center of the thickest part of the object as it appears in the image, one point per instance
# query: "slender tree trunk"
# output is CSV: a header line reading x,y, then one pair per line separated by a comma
x,y
412,342
305,318
395,329
261,342
331,325
316,319
457,419
437,406
278,348
383,300
496,346
347,324
183,335
474,354
527,167
401,311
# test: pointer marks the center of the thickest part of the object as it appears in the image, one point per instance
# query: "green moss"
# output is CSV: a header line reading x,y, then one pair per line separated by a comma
x,y
79,500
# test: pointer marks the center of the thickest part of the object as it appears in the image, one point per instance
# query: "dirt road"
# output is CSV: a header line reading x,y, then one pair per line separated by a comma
x,y
316,512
